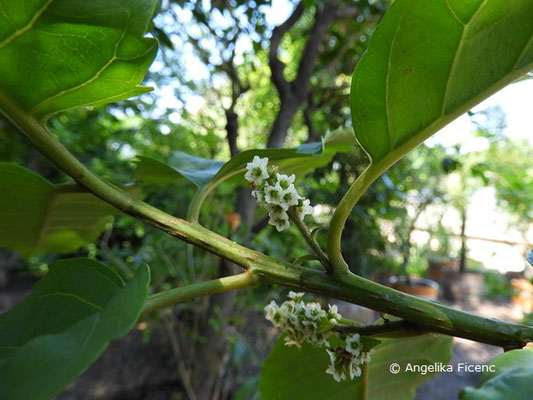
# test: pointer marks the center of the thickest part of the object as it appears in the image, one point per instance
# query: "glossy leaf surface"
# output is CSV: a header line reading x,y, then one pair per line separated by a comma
x,y
61,54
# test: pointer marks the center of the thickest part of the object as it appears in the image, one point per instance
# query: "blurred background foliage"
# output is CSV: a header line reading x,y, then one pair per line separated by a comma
x,y
229,79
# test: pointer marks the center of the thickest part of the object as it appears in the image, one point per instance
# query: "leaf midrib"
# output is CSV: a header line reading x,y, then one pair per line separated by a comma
x,y
455,56
90,80
26,27
439,122
75,296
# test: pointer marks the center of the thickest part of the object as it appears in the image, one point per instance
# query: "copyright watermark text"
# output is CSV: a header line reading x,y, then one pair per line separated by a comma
x,y
423,369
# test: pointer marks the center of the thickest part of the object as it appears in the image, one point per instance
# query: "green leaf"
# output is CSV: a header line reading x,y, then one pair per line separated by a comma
x,y
62,54
511,379
36,216
69,318
196,170
429,62
290,373
203,172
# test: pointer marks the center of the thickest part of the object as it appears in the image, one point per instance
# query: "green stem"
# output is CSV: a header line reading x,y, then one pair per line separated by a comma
x,y
364,378
427,315
389,329
173,296
302,227
342,212
193,212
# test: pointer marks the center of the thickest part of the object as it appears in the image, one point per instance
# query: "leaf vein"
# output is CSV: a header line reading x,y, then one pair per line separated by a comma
x,y
26,27
522,53
89,81
387,108
453,13
73,296
456,57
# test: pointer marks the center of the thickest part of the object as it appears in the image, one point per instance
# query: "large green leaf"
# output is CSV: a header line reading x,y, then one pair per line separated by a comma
x,y
36,216
511,379
64,324
430,61
61,54
290,373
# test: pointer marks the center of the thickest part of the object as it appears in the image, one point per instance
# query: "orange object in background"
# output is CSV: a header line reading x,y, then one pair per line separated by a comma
x,y
234,220
524,294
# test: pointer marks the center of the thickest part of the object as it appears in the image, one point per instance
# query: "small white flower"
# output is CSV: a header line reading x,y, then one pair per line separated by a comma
x,y
333,369
290,196
300,321
259,196
304,209
365,358
353,344
279,222
314,311
354,369
271,310
277,210
257,170
333,314
284,180
291,309
310,323
273,194
296,296
332,357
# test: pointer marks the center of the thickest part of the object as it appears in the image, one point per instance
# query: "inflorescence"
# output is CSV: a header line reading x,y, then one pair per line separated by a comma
x,y
275,193
309,323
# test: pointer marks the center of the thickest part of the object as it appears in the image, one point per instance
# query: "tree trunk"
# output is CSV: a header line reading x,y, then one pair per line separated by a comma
x,y
288,108
463,253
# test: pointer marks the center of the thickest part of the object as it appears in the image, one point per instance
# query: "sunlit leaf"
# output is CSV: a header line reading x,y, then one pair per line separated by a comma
x,y
69,318
61,54
429,62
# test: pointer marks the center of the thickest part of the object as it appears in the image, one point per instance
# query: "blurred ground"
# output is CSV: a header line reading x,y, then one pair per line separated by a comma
x,y
447,386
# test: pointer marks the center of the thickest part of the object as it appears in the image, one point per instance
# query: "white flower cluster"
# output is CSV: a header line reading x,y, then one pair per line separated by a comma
x,y
275,193
302,323
347,361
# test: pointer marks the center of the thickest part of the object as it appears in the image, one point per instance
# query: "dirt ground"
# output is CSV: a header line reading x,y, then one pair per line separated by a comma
x,y
137,369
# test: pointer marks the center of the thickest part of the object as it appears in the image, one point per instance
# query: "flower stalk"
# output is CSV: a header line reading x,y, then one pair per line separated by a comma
x,y
313,244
